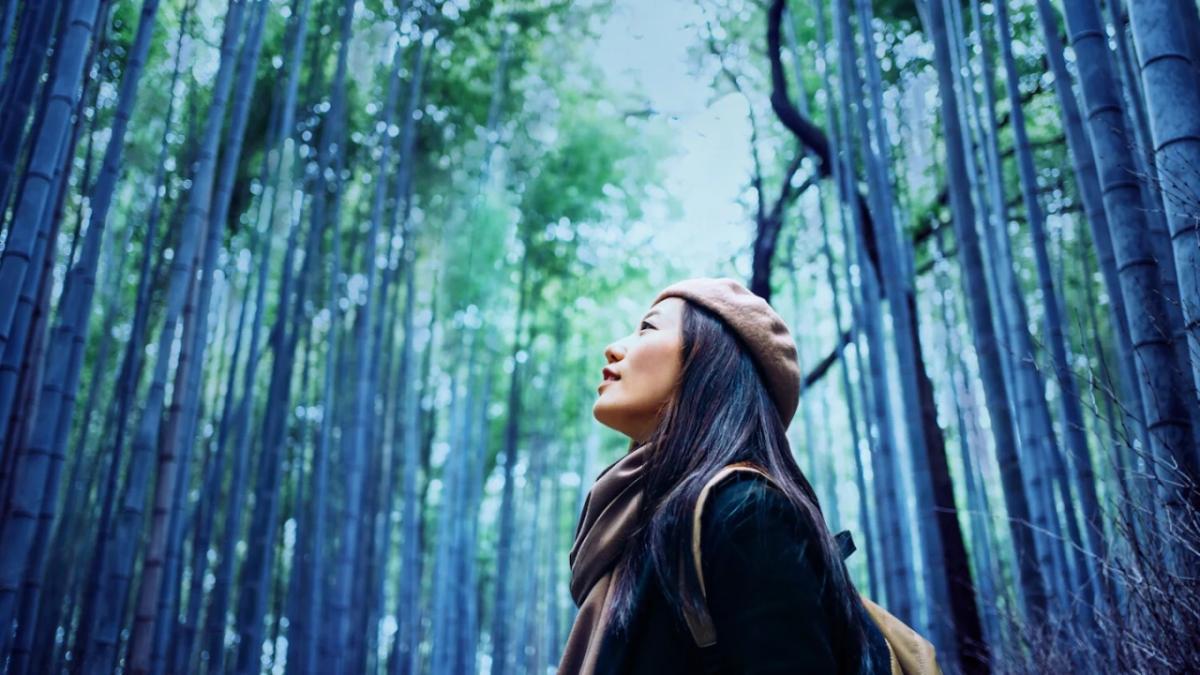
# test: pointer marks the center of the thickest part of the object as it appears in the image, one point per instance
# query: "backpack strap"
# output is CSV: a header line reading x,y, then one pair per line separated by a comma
x,y
911,653
700,622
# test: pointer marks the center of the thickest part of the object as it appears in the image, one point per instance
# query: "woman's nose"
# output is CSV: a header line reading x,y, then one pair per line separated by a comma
x,y
614,352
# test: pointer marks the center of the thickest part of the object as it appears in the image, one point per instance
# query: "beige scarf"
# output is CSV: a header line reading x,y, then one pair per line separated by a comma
x,y
608,519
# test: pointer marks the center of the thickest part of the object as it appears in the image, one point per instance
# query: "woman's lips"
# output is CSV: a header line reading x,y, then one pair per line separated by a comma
x,y
609,376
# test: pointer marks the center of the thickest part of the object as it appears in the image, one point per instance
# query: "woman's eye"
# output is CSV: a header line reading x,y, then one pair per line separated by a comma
x,y
645,325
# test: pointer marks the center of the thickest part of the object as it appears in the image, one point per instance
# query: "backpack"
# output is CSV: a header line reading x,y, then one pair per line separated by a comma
x,y
910,654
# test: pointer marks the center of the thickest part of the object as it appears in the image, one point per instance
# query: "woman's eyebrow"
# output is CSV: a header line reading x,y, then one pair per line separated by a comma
x,y
649,314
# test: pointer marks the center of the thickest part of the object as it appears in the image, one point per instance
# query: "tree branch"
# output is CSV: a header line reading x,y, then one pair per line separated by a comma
x,y
756,180
818,371
811,135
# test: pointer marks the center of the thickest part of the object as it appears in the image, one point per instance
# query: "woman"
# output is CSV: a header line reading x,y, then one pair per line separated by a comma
x,y
709,378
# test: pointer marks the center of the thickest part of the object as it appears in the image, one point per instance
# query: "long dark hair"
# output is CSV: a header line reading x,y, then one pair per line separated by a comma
x,y
720,413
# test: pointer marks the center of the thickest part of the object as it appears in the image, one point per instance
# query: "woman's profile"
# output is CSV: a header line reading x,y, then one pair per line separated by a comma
x,y
709,378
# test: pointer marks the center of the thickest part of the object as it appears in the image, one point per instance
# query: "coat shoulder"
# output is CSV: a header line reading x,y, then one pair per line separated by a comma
x,y
749,527
748,500
765,581
770,596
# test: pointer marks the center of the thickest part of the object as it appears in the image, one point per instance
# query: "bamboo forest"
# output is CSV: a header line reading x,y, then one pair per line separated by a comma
x,y
303,305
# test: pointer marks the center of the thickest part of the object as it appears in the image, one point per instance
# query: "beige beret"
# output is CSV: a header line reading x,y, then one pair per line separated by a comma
x,y
761,330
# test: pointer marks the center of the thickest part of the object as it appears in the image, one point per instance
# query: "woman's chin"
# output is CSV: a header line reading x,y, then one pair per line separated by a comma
x,y
599,408
605,413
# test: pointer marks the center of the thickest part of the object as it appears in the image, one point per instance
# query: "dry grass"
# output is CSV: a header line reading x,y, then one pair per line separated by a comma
x,y
1154,627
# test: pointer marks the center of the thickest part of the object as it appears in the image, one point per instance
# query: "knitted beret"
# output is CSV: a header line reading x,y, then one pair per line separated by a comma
x,y
761,330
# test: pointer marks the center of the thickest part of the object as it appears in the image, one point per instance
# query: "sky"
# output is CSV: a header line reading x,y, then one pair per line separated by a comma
x,y
644,46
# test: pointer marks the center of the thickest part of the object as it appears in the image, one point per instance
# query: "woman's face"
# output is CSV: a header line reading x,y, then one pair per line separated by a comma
x,y
642,372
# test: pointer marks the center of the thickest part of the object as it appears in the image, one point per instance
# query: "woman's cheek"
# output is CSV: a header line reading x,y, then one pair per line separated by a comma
x,y
662,374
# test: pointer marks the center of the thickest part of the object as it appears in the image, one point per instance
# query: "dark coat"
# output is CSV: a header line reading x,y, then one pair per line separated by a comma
x,y
763,578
